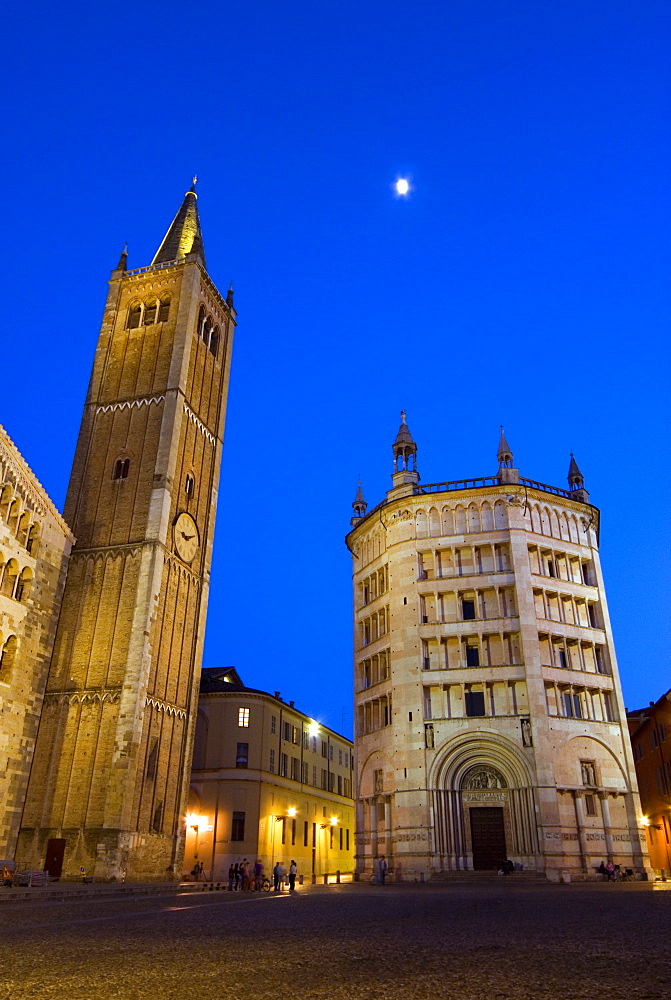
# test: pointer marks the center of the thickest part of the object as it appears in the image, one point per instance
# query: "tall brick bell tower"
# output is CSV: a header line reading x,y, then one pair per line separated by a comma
x,y
110,776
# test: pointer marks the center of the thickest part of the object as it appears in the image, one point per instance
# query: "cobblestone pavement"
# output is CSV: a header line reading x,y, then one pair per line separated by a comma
x,y
349,942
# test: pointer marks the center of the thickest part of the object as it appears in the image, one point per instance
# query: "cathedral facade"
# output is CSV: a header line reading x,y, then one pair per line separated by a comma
x,y
110,778
35,544
489,724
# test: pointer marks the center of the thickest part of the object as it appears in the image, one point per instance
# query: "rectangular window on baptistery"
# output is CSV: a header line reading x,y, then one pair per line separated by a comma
x,y
472,656
475,703
468,610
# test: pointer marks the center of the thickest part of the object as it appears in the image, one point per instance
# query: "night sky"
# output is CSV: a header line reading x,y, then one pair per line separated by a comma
x,y
524,282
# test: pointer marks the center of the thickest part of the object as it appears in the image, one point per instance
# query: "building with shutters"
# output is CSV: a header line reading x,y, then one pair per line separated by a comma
x,y
489,721
267,783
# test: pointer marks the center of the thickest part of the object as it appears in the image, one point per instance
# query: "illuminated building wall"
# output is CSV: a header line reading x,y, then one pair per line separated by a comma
x,y
267,783
650,730
35,545
110,777
489,716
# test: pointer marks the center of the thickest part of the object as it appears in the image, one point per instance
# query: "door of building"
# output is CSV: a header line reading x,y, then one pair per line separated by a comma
x,y
53,862
488,837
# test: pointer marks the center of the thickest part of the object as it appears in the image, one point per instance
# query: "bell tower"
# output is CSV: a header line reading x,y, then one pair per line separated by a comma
x,y
111,769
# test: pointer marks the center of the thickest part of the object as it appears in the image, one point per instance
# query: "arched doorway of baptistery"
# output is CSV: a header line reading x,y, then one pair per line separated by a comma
x,y
484,794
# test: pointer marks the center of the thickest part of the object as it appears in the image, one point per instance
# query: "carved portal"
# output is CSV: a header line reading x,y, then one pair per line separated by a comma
x,y
483,777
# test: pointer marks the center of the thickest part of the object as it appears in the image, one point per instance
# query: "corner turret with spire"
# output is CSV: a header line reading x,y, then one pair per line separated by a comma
x,y
576,482
359,506
405,475
506,474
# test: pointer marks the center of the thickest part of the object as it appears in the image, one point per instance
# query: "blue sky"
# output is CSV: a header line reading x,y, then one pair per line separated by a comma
x,y
525,282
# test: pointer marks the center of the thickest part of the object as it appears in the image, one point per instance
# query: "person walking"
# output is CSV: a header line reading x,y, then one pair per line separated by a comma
x,y
292,876
382,869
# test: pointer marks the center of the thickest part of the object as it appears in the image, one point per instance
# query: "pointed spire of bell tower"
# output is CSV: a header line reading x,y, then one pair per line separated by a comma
x,y
123,260
359,506
576,482
506,473
184,235
405,457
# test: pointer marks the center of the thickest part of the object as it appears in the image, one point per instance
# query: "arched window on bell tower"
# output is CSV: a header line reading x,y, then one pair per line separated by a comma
x,y
121,468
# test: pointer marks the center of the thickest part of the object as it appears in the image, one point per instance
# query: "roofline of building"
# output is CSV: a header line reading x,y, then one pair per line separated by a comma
x,y
33,484
459,487
243,690
642,715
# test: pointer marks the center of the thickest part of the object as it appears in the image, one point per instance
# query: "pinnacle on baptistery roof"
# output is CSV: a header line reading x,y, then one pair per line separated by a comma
x,y
404,436
184,235
504,454
359,506
576,480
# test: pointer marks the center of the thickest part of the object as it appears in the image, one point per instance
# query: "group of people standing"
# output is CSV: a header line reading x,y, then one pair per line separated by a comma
x,y
245,877
279,873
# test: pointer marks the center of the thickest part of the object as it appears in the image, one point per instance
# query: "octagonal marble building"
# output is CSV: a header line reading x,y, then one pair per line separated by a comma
x,y
489,720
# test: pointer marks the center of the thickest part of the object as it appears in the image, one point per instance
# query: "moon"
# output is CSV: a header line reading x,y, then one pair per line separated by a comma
x,y
402,186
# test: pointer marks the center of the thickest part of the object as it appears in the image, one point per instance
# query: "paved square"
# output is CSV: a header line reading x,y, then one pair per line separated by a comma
x,y
353,942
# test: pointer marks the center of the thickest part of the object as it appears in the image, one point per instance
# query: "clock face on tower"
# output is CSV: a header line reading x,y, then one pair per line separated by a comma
x,y
185,533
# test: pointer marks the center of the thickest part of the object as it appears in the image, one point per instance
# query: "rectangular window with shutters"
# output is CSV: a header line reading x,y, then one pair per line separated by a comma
x,y
284,765
243,717
295,769
238,826
325,778
305,833
284,829
242,755
475,703
293,832
287,730
304,776
330,751
340,784
314,775
271,764
273,724
325,748
341,838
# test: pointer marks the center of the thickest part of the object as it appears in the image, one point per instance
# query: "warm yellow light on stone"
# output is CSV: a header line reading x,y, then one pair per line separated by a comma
x,y
292,811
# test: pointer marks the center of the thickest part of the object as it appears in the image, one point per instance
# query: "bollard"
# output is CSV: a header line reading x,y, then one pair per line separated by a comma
x,y
300,880
326,880
338,877
314,879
